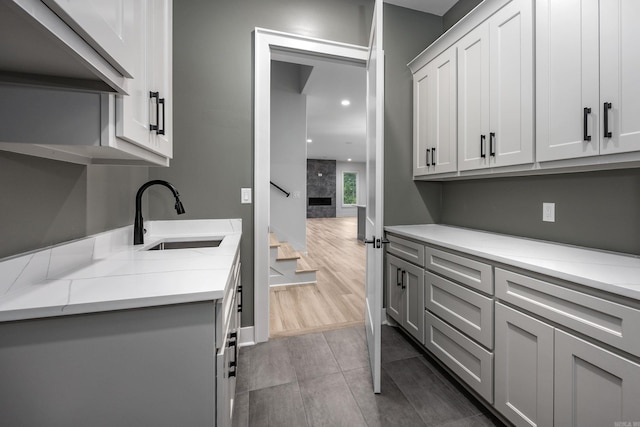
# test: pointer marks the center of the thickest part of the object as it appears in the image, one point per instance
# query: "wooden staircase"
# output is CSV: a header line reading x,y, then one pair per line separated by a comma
x,y
288,266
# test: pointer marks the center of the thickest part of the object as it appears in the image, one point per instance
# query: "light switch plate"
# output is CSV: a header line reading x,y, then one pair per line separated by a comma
x,y
549,212
245,195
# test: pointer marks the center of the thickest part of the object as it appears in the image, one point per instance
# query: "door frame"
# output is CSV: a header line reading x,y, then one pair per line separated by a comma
x,y
270,44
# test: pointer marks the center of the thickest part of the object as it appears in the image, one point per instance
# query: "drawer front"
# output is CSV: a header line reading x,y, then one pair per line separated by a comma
x,y
472,273
463,308
468,360
609,322
406,249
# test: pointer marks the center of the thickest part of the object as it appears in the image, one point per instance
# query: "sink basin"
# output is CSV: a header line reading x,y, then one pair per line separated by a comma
x,y
186,245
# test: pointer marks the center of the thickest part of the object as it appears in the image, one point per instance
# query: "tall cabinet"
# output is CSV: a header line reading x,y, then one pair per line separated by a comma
x,y
587,90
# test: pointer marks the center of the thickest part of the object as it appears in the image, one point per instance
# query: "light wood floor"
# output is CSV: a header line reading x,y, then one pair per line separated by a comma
x,y
337,299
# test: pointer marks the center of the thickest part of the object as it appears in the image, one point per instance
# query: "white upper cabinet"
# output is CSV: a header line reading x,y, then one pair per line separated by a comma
x,y
144,117
620,75
588,92
89,44
94,125
434,123
495,97
109,26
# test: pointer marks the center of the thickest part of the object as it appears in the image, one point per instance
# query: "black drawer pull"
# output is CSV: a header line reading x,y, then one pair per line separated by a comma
x,y
433,156
607,132
155,95
586,135
483,146
398,277
428,151
492,144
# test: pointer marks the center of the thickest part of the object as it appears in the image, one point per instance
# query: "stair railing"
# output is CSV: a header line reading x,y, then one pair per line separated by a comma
x,y
280,188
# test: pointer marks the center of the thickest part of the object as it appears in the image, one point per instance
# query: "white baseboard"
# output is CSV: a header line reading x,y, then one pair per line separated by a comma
x,y
247,337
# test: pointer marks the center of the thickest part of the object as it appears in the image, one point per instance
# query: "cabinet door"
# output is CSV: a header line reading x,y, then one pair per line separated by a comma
x,y
133,111
109,26
435,133
619,71
136,112
511,72
523,368
413,300
592,386
567,79
160,46
394,289
473,99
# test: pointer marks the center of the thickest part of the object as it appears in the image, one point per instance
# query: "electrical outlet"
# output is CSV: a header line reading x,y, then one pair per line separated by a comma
x,y
549,212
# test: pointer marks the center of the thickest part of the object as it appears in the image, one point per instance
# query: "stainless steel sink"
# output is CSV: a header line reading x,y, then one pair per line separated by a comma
x,y
186,245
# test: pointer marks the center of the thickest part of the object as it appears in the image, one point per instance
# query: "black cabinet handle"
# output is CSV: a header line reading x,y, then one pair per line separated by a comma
x,y
428,151
398,277
483,146
586,135
433,156
155,95
161,131
403,284
492,144
607,107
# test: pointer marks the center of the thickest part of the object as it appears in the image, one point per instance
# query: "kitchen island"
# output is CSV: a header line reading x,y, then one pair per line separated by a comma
x,y
101,332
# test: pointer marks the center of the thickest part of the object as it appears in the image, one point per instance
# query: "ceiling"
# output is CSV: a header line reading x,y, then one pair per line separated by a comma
x,y
339,132
436,7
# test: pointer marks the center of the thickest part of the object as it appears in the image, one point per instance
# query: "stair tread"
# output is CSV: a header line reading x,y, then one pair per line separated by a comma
x,y
305,265
273,241
286,252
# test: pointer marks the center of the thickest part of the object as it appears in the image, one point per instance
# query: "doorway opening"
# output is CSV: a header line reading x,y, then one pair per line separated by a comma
x,y
270,46
318,149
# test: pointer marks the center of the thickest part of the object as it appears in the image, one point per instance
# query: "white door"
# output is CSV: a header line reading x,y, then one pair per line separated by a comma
x,y
375,137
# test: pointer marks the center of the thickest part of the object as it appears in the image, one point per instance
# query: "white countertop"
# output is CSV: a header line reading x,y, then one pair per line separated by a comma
x,y
107,272
607,271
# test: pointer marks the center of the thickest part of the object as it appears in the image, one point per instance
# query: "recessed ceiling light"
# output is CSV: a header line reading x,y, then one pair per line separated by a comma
x,y
348,160
345,102
309,141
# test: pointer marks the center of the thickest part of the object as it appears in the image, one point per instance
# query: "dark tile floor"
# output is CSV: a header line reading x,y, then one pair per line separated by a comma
x,y
323,379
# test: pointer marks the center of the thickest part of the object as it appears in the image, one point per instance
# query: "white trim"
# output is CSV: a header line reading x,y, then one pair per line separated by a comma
x,y
264,42
247,337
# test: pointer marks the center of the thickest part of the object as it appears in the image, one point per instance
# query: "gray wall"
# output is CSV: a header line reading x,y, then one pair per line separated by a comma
x,y
213,86
406,34
457,11
45,202
288,215
597,209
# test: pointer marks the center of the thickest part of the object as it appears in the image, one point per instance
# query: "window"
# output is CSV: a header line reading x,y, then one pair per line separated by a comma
x,y
349,188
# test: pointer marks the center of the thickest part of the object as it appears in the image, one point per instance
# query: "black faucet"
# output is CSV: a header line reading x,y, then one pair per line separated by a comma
x,y
138,230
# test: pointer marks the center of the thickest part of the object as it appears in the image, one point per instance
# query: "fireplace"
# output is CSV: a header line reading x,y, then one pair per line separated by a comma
x,y
319,201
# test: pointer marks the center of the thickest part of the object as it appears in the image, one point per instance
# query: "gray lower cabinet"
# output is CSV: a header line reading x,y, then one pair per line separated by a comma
x,y
523,368
547,376
593,387
405,295
468,360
